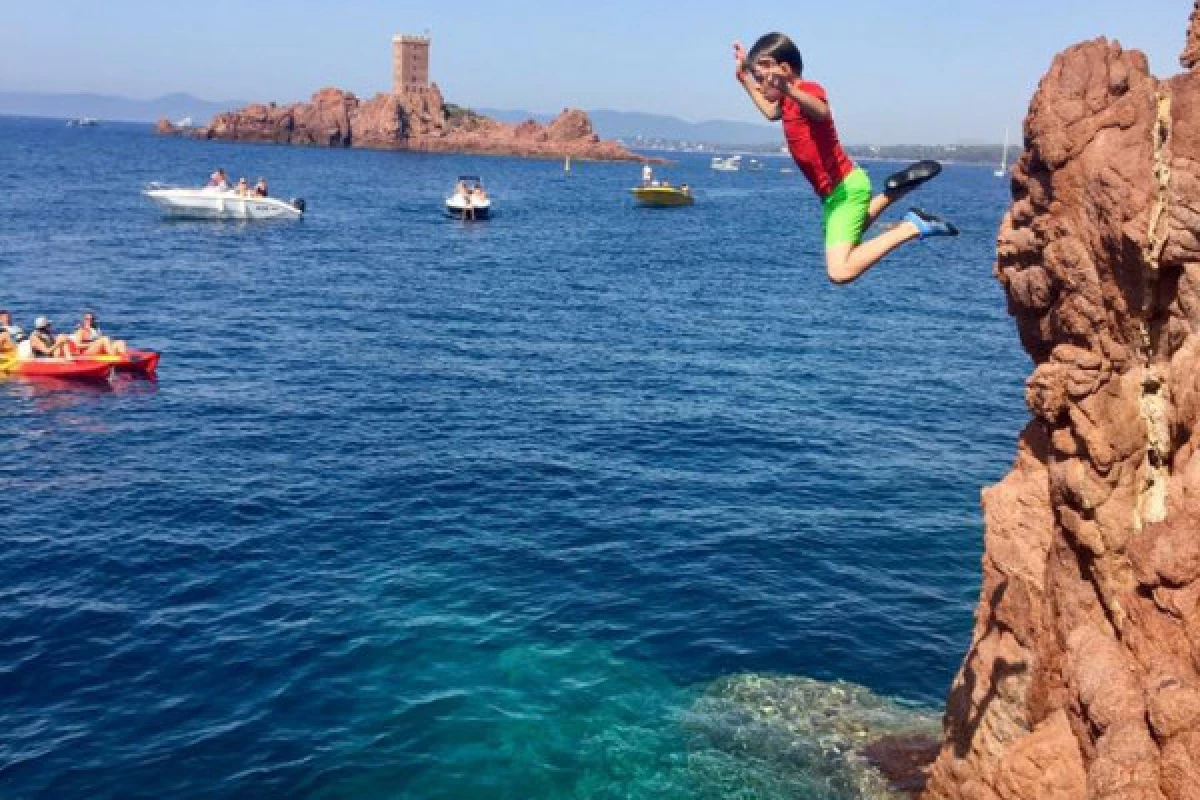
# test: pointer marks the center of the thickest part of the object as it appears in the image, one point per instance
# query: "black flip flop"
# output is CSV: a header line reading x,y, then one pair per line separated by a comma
x,y
912,176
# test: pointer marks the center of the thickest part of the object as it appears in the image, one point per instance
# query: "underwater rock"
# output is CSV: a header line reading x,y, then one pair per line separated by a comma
x,y
1083,675
823,740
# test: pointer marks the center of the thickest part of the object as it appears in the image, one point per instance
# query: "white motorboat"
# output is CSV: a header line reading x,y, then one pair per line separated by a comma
x,y
215,203
83,122
469,200
731,164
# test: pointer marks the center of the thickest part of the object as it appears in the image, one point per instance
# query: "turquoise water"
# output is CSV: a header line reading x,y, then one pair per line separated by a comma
x,y
419,509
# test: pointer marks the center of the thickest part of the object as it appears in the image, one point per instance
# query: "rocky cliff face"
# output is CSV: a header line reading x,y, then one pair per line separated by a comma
x,y
415,120
1083,677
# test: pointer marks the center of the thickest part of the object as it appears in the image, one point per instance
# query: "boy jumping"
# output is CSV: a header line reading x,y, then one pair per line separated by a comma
x,y
771,73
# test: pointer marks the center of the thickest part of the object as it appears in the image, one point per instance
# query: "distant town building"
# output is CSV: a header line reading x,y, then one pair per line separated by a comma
x,y
410,63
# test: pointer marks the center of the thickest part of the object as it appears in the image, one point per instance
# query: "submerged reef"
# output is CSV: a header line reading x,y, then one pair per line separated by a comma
x,y
811,739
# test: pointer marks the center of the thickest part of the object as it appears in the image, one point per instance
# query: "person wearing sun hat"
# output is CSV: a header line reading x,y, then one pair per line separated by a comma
x,y
43,343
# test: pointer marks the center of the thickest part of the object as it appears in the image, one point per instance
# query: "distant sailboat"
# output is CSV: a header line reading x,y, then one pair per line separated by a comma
x,y
1003,171
567,164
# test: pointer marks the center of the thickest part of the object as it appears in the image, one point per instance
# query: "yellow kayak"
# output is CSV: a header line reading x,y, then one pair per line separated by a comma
x,y
662,196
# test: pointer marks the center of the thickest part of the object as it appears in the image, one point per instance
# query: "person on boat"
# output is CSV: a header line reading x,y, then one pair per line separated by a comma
x,y
10,335
683,187
475,197
260,188
772,75
647,174
89,341
218,180
467,193
243,188
44,343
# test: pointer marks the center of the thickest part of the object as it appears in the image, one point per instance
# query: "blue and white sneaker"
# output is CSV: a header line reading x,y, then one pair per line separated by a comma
x,y
929,224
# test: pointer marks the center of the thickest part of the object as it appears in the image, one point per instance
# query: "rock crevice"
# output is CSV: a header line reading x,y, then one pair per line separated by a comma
x,y
1083,676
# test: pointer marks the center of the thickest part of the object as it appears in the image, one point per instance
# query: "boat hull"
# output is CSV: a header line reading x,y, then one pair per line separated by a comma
x,y
457,209
59,368
662,197
211,204
141,362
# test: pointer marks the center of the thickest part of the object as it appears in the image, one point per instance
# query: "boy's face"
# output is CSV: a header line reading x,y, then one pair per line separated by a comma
x,y
768,67
772,75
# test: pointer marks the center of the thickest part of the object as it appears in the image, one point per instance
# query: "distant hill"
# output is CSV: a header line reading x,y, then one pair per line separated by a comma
x,y
111,107
629,125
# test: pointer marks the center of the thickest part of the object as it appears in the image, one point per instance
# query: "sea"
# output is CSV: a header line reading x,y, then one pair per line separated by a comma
x,y
516,508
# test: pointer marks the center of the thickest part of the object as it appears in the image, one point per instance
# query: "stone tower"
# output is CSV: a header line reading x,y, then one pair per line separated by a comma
x,y
410,63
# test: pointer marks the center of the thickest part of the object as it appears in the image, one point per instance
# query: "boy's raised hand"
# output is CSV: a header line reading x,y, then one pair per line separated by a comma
x,y
739,58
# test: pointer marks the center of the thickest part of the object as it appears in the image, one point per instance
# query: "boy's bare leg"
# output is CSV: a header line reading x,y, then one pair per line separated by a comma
x,y
899,185
846,262
879,204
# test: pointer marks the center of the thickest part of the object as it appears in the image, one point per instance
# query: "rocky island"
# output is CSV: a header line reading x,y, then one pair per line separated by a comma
x,y
416,119
413,116
1083,677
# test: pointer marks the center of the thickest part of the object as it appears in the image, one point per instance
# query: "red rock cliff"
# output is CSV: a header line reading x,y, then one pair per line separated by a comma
x,y
415,120
1083,676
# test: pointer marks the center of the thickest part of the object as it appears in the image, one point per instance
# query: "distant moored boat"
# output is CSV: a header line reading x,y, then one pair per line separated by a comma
x,y
1000,173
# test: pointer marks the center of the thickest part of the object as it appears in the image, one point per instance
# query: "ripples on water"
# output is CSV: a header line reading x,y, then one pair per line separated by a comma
x,y
419,509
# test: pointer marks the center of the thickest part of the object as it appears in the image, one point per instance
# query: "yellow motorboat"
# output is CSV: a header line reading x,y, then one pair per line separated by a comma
x,y
663,196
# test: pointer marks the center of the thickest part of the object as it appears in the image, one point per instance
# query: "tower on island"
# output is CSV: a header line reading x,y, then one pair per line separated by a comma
x,y
410,63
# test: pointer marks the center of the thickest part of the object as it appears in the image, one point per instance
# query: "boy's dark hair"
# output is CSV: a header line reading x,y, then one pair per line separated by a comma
x,y
779,47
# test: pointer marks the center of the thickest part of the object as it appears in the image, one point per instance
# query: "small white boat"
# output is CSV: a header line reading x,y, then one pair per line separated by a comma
x,y
214,203
754,165
473,203
83,122
731,164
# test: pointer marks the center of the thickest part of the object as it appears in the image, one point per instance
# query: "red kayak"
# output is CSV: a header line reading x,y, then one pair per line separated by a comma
x,y
65,368
143,362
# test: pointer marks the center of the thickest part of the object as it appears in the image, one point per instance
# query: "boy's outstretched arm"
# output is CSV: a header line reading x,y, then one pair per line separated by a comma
x,y
749,82
812,107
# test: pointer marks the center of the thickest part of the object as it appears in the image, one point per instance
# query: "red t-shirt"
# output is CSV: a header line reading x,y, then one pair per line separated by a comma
x,y
814,143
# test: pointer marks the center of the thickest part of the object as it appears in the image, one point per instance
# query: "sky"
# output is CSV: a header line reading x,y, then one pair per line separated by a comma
x,y
934,71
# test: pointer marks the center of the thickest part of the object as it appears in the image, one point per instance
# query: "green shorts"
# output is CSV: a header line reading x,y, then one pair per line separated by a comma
x,y
845,209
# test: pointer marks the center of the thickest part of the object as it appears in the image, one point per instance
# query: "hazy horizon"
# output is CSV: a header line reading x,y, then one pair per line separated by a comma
x,y
949,75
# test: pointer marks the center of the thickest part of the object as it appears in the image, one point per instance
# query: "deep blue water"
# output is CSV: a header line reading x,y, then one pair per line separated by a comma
x,y
422,509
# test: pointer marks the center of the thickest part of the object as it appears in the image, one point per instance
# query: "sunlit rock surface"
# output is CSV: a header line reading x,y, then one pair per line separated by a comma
x,y
1083,676
418,119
